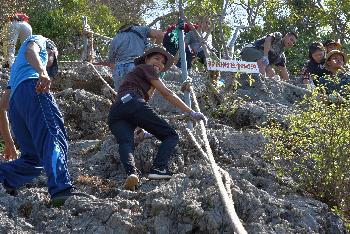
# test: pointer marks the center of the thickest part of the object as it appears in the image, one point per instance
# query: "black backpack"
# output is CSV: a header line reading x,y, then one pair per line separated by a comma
x,y
128,28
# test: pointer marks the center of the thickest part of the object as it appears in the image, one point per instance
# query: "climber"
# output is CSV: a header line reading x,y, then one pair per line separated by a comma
x,y
129,43
131,110
17,27
314,68
268,51
337,77
193,46
36,122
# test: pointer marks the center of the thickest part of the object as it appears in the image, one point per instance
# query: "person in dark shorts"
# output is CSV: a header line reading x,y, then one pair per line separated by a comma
x,y
268,51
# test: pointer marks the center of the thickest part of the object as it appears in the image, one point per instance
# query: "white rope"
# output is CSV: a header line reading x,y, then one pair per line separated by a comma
x,y
103,80
228,203
292,86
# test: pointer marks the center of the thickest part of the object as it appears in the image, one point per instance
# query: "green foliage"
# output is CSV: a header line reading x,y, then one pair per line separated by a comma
x,y
315,150
63,22
226,109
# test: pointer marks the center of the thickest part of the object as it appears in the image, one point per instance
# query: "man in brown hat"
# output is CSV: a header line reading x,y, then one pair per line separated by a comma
x,y
131,110
335,62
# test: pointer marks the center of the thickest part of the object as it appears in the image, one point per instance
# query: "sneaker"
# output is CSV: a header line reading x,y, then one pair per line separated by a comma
x,y
11,191
59,198
131,182
159,174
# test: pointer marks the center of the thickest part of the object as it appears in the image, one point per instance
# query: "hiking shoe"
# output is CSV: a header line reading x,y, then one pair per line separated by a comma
x,y
11,191
131,182
59,198
159,174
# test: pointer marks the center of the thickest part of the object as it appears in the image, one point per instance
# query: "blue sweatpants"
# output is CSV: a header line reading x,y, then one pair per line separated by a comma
x,y
37,125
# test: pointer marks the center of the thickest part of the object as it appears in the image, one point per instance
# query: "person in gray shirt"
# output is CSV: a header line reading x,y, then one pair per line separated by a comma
x,y
269,50
129,43
17,28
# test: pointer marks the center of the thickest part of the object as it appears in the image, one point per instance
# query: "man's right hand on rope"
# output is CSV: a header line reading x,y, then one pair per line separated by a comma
x,y
265,60
198,116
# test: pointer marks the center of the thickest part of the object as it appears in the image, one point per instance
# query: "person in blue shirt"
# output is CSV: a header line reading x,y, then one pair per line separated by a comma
x,y
129,43
36,122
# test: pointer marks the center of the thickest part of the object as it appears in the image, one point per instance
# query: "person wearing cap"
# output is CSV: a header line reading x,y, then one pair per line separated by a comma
x,y
131,110
36,122
17,28
130,42
268,51
336,77
315,66
331,45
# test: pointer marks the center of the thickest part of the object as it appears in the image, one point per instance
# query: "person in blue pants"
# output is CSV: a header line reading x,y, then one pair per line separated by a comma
x,y
36,122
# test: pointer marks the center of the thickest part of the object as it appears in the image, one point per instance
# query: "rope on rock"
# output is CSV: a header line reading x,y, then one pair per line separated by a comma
x,y
236,224
103,80
292,86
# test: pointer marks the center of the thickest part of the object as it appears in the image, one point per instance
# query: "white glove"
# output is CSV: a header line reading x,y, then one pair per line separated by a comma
x,y
198,116
265,60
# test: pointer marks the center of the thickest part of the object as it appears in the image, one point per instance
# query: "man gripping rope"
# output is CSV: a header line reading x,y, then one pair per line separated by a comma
x,y
36,122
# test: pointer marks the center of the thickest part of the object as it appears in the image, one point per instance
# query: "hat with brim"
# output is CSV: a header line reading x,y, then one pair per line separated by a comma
x,y
53,70
156,49
330,42
332,52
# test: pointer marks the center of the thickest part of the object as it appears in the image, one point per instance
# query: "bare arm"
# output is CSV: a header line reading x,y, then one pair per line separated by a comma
x,y
32,56
10,149
284,73
267,45
170,96
157,35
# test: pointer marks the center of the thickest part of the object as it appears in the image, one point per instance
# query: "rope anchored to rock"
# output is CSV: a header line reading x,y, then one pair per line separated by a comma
x,y
224,189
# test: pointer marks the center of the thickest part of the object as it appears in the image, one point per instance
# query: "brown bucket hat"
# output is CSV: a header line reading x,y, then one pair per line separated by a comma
x,y
156,49
345,57
330,42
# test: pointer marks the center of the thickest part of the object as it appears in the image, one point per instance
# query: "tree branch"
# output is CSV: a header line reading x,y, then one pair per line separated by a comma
x,y
162,17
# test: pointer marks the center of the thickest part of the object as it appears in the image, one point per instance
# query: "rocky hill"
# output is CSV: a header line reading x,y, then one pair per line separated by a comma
x,y
189,202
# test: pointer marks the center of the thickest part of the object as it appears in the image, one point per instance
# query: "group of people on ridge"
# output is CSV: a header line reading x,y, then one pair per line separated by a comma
x,y
326,60
37,123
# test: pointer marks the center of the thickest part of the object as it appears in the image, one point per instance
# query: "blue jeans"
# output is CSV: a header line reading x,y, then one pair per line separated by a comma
x,y
38,127
119,73
125,117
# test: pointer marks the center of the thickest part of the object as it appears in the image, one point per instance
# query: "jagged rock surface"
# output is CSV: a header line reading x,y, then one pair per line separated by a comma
x,y
189,202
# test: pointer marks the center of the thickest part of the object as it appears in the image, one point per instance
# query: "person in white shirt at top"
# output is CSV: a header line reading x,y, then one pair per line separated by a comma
x,y
17,28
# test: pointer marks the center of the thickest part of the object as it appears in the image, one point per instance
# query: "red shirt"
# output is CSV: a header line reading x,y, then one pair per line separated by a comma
x,y
186,28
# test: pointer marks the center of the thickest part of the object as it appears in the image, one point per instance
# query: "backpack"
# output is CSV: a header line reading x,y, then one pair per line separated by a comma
x,y
128,28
